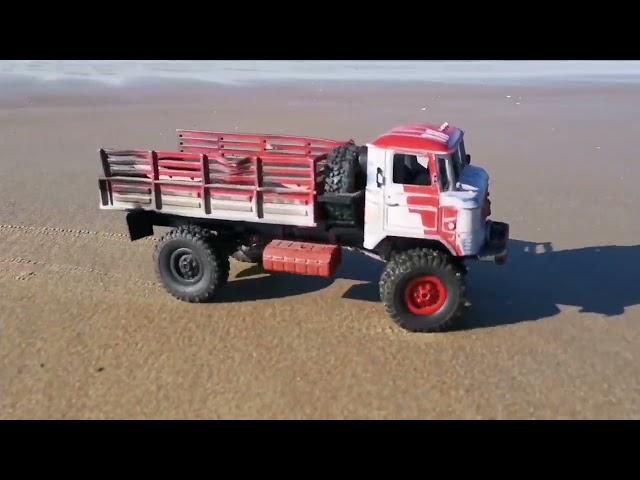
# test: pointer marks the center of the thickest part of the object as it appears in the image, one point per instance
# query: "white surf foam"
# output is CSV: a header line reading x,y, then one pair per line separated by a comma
x,y
118,72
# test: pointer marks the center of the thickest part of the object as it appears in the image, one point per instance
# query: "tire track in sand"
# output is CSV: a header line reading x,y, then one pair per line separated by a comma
x,y
55,268
68,231
73,269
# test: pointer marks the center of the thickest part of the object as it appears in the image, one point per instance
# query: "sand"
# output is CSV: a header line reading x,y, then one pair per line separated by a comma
x,y
87,332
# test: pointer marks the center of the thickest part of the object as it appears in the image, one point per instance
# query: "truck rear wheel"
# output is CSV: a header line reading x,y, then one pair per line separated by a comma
x,y
423,290
191,264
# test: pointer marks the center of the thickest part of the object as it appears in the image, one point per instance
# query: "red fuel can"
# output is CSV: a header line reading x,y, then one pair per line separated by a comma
x,y
303,258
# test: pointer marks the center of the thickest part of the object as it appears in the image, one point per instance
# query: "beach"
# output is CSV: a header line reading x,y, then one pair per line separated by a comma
x,y
86,331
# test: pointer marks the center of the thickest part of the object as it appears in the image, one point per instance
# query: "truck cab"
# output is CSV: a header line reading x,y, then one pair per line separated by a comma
x,y
421,185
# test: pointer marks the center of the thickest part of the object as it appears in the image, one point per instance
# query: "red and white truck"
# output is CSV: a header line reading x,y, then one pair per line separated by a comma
x,y
410,198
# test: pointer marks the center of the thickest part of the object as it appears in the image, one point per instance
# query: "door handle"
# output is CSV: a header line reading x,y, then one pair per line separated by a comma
x,y
392,204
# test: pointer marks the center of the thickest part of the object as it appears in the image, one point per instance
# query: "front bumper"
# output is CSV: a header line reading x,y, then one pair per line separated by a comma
x,y
495,249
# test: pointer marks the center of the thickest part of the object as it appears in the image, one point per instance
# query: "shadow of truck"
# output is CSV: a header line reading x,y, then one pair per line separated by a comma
x,y
537,279
531,286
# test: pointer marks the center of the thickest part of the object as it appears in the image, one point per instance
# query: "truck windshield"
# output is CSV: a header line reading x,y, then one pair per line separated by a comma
x,y
456,162
463,153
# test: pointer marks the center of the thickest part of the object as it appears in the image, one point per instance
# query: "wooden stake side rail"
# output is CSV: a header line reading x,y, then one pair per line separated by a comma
x,y
273,187
225,143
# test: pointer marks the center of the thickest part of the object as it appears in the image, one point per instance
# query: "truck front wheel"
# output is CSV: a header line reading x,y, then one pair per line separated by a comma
x,y
423,290
190,264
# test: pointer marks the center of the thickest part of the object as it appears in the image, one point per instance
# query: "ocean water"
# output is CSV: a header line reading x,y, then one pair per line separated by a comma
x,y
118,72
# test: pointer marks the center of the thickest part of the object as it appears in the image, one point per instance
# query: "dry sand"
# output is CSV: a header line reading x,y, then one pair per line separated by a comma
x,y
86,331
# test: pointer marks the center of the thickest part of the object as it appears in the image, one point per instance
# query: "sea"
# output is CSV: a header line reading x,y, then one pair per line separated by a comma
x,y
239,72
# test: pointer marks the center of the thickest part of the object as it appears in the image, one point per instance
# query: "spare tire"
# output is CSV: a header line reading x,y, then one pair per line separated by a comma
x,y
342,175
340,170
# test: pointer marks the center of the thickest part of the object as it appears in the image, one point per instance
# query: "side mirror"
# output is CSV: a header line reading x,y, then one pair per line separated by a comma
x,y
468,159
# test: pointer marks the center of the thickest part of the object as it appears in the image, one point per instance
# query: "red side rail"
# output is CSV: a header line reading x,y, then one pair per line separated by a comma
x,y
227,143
162,180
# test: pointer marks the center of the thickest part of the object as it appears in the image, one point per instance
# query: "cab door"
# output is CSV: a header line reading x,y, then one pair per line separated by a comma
x,y
374,209
410,195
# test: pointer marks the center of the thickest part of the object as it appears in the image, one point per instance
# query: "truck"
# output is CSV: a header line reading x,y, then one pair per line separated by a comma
x,y
410,198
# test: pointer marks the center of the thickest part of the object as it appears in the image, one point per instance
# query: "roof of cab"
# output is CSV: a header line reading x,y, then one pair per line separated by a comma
x,y
422,136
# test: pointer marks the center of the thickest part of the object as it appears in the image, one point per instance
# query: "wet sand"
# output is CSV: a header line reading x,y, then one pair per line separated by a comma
x,y
87,332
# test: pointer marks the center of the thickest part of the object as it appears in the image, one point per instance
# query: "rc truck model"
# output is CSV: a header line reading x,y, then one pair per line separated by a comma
x,y
410,198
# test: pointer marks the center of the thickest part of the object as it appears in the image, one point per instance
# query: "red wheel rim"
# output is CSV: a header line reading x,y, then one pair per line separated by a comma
x,y
425,295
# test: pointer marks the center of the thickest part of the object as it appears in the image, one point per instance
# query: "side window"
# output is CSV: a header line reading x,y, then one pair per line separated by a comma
x,y
442,174
407,170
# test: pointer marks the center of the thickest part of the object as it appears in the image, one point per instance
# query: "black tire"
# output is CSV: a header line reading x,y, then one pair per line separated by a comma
x,y
191,264
341,168
341,176
423,290
249,253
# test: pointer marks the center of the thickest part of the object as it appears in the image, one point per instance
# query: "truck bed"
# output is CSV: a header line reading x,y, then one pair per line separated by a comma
x,y
218,175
